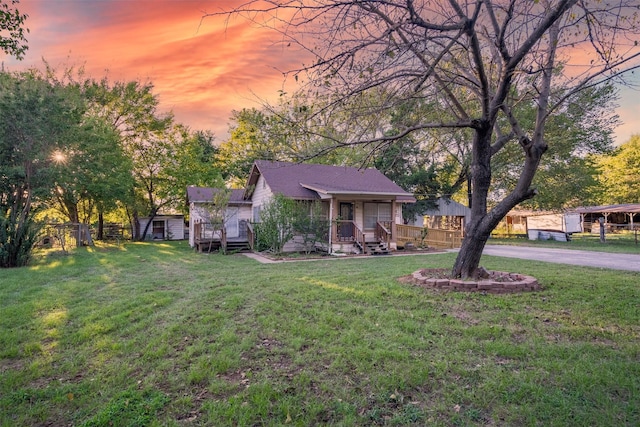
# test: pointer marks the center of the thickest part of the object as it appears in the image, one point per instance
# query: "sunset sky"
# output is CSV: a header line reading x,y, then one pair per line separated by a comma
x,y
201,69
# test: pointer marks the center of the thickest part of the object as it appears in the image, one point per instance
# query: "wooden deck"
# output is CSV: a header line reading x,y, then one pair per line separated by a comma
x,y
215,244
432,237
217,240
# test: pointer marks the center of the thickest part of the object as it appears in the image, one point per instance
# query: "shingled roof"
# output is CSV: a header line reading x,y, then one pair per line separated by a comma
x,y
205,194
302,181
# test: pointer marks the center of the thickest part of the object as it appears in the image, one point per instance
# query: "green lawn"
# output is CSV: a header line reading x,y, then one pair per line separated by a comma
x,y
155,334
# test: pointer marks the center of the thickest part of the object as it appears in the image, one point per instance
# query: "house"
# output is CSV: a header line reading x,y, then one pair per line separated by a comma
x,y
362,205
163,227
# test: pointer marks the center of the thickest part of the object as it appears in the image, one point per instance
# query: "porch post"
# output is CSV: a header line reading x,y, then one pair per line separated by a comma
x,y
394,228
334,214
330,248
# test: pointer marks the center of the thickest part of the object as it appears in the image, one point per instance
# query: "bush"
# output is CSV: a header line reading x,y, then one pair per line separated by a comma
x,y
283,218
277,224
17,240
312,226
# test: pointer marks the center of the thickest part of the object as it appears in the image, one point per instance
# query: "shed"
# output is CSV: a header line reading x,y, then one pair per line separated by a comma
x,y
620,216
163,227
447,215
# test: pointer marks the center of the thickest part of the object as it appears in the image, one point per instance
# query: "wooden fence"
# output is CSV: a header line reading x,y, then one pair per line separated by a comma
x,y
435,238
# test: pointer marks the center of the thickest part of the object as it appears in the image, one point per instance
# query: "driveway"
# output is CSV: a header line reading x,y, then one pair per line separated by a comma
x,y
613,261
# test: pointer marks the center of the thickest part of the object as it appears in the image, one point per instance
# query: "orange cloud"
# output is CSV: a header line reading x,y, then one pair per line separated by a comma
x,y
202,69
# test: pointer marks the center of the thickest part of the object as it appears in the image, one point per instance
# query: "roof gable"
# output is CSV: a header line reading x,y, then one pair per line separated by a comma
x,y
303,181
205,194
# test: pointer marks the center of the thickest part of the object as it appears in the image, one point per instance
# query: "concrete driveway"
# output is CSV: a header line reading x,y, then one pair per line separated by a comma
x,y
567,256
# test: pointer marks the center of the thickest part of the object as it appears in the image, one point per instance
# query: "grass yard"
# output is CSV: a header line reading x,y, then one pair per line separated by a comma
x,y
155,334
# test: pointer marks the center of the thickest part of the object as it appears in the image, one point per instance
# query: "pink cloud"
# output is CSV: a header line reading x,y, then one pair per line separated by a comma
x,y
202,69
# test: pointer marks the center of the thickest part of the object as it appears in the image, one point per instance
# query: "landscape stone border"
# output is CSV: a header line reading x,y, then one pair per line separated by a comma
x,y
498,282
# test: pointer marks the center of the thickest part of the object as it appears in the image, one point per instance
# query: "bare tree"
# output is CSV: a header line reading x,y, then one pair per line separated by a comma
x,y
474,61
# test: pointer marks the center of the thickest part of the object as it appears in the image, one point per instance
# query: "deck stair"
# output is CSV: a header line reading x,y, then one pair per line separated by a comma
x,y
377,248
237,246
373,248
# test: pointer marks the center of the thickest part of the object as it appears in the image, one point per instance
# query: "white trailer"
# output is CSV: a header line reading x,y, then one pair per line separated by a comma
x,y
553,226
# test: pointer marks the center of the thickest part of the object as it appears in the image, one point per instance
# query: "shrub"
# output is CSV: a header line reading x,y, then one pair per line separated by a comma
x,y
311,225
277,224
17,240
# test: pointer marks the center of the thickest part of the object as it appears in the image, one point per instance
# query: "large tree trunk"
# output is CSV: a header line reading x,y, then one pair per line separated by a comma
x,y
152,215
483,222
135,227
100,224
477,231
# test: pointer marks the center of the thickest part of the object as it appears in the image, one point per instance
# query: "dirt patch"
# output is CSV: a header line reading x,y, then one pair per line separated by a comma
x,y
495,282
7,365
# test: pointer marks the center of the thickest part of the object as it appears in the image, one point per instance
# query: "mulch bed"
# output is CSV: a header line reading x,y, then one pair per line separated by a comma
x,y
495,282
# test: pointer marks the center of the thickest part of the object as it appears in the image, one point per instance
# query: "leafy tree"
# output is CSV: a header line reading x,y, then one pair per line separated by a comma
x,y
35,116
621,173
131,109
256,135
422,163
275,133
193,162
215,211
475,61
166,156
12,23
92,172
567,175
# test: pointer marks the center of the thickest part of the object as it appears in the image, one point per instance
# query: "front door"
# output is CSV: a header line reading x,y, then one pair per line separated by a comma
x,y
231,222
346,214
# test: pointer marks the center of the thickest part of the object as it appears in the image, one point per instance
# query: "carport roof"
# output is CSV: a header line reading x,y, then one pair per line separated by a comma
x,y
622,208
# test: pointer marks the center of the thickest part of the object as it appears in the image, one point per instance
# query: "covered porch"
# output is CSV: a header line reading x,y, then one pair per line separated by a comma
x,y
360,225
209,238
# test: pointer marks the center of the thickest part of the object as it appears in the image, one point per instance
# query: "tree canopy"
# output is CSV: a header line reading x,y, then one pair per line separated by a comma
x,y
12,30
621,173
474,62
36,117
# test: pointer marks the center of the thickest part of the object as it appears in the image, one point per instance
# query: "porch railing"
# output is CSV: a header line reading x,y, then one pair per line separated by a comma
x,y
383,232
348,231
206,237
447,239
359,238
345,230
251,236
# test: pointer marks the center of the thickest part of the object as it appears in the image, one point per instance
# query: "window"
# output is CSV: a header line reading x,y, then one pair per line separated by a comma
x,y
256,214
157,230
312,209
374,212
